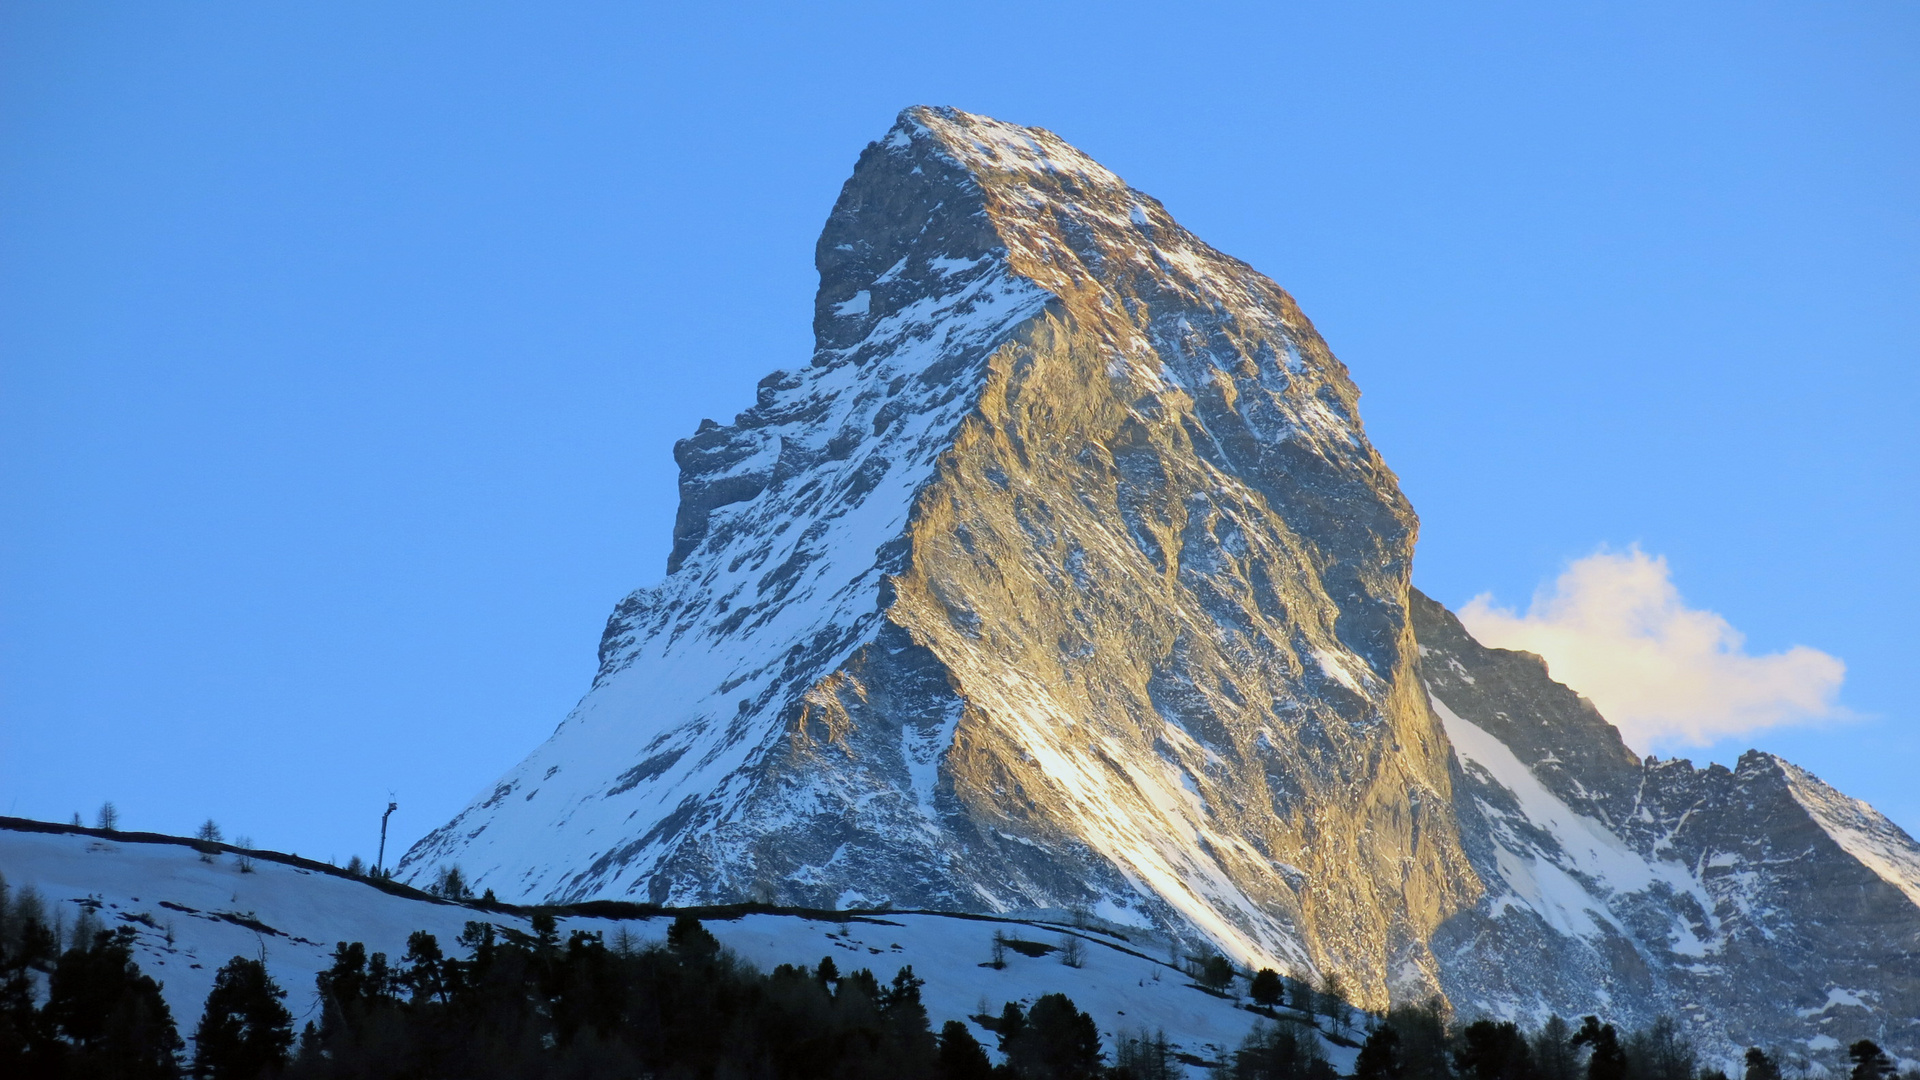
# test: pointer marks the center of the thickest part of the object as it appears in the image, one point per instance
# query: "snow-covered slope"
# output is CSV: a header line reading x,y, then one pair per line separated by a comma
x,y
1860,830
191,916
1064,575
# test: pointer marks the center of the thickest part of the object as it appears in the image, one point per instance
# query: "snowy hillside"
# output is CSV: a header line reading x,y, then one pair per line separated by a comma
x,y
192,915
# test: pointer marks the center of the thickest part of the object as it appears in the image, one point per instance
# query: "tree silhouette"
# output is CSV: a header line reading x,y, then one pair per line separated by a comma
x,y
1760,1065
113,1017
245,1031
1869,1061
1266,988
1607,1060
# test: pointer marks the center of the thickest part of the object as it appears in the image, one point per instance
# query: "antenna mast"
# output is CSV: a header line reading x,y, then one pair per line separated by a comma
x,y
380,861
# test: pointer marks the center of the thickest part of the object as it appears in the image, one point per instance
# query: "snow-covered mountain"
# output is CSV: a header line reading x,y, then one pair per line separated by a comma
x,y
190,916
1064,576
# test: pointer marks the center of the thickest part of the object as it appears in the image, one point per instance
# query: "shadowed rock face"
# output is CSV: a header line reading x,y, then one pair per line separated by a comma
x,y
1065,576
1757,905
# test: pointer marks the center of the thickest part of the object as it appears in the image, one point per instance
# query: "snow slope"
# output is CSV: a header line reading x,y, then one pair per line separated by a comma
x,y
1860,830
191,916
1554,860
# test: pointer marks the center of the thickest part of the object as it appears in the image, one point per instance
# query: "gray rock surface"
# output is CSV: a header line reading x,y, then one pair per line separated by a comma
x,y
1064,576
1757,905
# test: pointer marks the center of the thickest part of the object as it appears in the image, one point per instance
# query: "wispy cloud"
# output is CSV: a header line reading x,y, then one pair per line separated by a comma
x,y
1614,628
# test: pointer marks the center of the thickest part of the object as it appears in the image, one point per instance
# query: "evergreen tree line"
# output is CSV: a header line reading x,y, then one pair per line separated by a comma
x,y
533,1005
101,1016
1416,1043
519,1005
1272,990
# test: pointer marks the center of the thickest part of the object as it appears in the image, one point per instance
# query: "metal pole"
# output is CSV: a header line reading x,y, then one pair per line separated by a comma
x,y
380,861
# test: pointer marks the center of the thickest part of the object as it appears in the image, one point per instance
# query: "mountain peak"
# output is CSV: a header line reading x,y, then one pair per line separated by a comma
x,y
1038,587
992,148
1064,576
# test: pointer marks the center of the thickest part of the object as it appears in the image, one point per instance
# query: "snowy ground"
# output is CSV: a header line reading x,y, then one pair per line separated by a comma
x,y
192,915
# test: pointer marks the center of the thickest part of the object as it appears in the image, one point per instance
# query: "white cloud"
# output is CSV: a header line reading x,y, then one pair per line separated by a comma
x,y
1615,629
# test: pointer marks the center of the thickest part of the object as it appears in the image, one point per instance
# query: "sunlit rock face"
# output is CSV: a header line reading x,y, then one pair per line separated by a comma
x,y
1063,576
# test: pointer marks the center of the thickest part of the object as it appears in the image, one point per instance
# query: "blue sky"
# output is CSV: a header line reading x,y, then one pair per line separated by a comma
x,y
343,347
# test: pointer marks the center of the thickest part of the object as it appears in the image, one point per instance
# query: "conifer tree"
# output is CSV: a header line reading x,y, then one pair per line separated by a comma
x,y
858,983
1607,1060
692,941
26,945
1011,1025
427,971
208,834
900,1002
1423,1039
110,1014
1869,1061
20,1026
86,924
1553,1051
108,818
1215,972
1379,1057
1056,1042
1490,1050
1760,1065
1660,1052
452,884
1333,999
1279,1052
245,1032
961,1056
1141,1056
1265,989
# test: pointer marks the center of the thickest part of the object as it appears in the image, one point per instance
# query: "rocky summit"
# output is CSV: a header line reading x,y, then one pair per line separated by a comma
x,y
1064,576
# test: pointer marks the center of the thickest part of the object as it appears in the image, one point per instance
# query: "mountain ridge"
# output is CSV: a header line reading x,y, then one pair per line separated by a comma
x,y
1738,898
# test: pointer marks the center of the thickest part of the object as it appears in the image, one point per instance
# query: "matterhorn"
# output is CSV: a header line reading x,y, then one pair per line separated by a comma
x,y
1063,576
